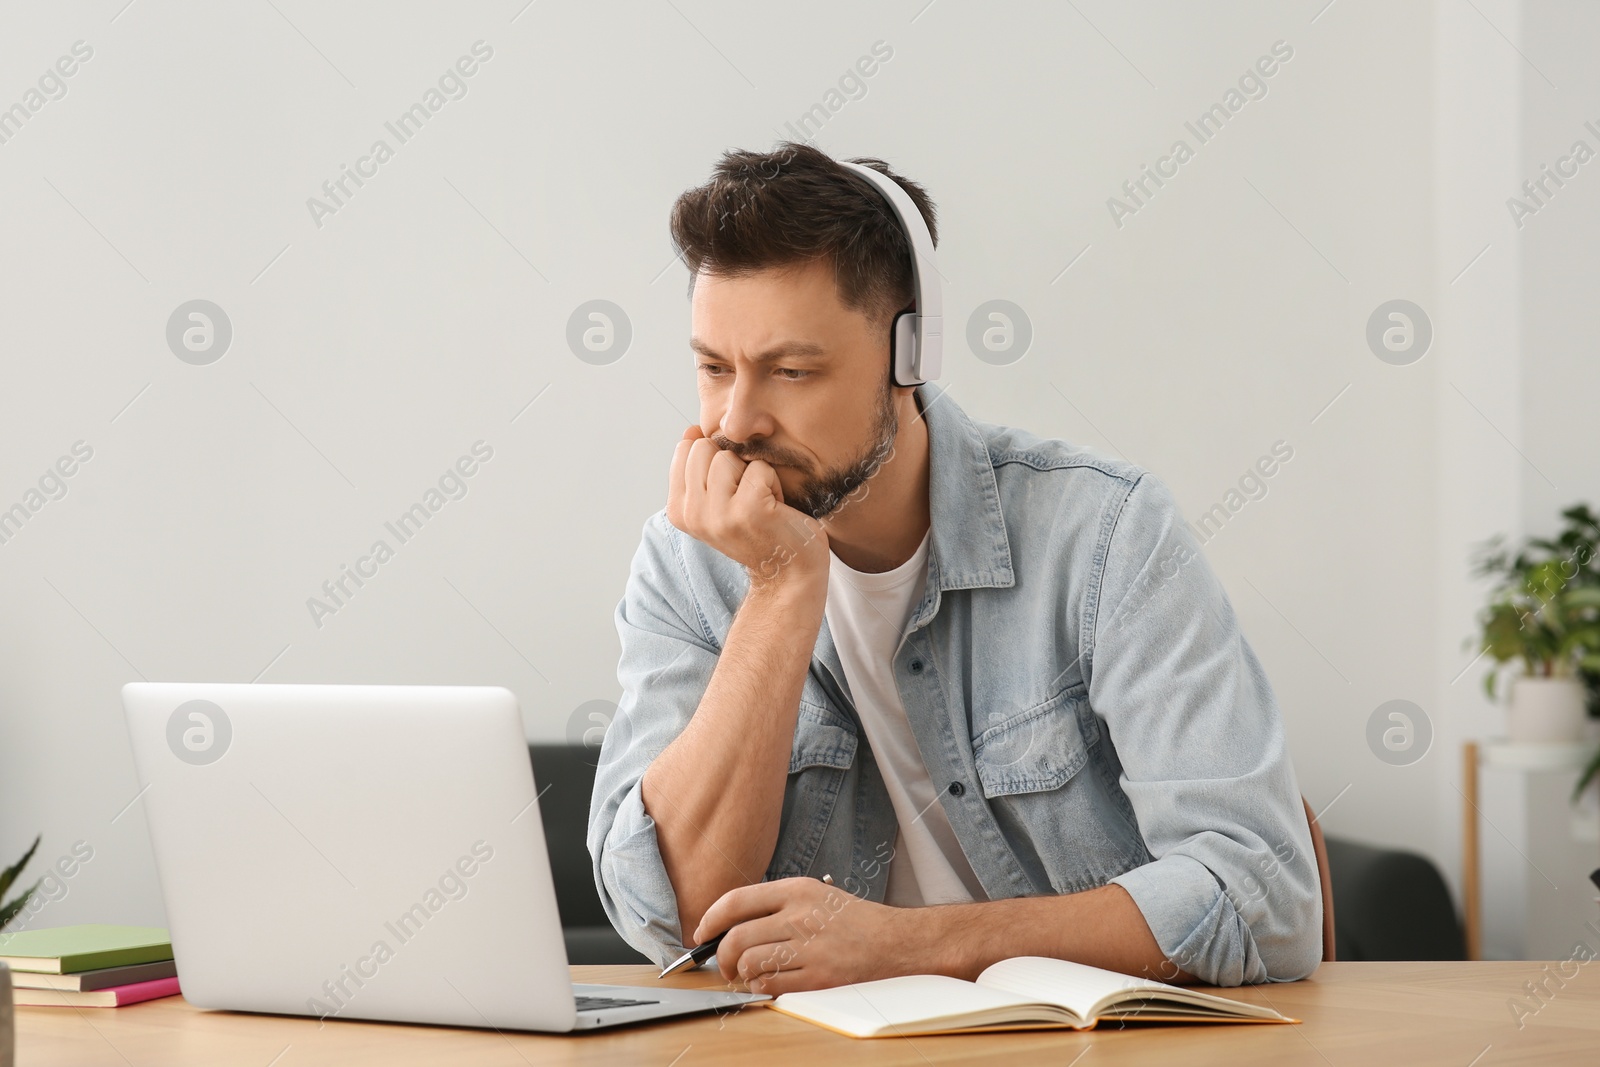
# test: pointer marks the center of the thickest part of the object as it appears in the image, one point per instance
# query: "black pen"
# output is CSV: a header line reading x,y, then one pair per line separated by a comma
x,y
706,949
694,957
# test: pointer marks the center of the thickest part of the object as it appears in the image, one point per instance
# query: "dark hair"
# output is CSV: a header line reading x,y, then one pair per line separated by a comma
x,y
796,204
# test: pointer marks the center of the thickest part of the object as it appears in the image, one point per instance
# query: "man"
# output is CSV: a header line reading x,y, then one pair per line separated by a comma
x,y
982,680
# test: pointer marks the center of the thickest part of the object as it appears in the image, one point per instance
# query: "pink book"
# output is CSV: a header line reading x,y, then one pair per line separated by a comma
x,y
113,997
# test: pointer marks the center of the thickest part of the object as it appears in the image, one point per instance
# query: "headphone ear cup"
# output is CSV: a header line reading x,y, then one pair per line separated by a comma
x,y
903,349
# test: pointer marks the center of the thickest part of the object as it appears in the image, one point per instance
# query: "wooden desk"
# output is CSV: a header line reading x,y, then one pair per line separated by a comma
x,y
1360,1014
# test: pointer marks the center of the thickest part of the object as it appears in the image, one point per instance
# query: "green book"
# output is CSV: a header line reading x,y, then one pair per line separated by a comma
x,y
70,949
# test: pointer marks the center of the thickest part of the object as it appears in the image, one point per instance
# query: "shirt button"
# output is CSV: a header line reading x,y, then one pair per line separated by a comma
x,y
916,666
956,789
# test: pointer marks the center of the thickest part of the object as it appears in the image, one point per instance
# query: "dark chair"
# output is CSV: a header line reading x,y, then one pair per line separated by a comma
x,y
1392,905
564,774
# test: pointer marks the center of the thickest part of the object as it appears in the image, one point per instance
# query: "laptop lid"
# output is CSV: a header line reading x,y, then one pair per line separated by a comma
x,y
352,851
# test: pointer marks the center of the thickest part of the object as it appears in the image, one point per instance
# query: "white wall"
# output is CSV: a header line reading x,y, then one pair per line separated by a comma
x,y
1560,377
1477,391
1221,317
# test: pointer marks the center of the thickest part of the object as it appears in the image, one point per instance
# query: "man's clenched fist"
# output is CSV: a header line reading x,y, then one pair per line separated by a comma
x,y
737,508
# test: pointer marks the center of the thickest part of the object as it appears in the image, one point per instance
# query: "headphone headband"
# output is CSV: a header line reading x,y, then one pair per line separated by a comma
x,y
916,340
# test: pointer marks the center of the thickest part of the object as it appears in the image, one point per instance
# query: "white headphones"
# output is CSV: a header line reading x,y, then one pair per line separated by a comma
x,y
916,339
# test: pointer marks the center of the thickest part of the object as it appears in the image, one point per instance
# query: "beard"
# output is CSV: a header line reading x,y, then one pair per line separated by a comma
x,y
820,495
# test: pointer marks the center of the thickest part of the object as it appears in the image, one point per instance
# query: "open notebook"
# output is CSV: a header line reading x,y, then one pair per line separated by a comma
x,y
1025,993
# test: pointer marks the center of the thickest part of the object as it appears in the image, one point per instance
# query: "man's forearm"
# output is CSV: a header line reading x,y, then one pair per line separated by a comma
x,y
716,792
1101,927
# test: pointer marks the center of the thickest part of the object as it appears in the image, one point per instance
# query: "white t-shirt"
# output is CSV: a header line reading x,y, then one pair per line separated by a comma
x,y
868,615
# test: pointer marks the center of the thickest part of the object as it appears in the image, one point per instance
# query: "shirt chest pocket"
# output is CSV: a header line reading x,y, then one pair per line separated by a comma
x,y
820,761
1039,749
821,739
1054,800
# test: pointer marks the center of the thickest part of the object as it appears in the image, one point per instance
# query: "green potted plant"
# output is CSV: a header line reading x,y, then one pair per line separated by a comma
x,y
1544,615
7,913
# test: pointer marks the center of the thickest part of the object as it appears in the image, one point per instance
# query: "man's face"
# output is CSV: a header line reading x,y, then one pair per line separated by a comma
x,y
789,375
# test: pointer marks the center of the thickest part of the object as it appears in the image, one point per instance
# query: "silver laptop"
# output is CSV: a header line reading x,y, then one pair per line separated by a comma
x,y
363,852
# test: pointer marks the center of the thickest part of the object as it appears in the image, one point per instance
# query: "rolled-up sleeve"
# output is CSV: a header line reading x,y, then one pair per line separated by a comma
x,y
1232,894
667,659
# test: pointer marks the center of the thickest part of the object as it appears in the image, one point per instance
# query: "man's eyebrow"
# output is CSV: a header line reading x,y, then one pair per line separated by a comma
x,y
788,349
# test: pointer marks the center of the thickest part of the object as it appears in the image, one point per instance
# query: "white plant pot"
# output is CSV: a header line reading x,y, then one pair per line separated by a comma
x,y
1546,710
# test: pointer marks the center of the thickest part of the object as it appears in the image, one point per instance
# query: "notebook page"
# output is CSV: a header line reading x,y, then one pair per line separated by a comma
x,y
909,1001
1075,986
1079,987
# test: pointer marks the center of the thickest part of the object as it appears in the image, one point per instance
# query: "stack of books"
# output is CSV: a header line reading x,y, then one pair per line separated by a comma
x,y
89,966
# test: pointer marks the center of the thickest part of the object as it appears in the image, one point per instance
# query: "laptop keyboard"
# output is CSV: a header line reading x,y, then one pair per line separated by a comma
x,y
597,1003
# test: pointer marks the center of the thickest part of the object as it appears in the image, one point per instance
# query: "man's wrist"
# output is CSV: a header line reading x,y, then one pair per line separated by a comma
x,y
959,940
928,939
790,588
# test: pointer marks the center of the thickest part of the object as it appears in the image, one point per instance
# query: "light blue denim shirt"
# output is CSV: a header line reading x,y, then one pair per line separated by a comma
x,y
1078,685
